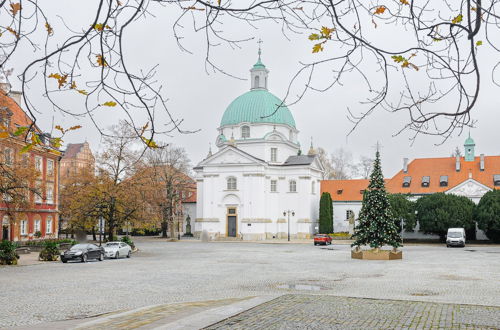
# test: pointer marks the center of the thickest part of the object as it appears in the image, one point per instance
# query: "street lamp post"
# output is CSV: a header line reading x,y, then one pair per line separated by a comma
x,y
285,213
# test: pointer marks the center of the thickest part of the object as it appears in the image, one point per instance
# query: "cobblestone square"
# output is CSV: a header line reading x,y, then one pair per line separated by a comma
x,y
190,271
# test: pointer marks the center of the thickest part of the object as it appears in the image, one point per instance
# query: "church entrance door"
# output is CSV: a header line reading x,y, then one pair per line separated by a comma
x,y
231,222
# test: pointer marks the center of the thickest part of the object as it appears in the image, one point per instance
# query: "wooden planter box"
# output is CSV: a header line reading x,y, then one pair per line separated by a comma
x,y
379,255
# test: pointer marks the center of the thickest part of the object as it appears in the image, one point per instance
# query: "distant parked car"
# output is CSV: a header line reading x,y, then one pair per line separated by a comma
x,y
455,237
117,250
83,252
322,239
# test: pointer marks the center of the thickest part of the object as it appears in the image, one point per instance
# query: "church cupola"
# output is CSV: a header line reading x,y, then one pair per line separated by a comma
x,y
259,73
469,149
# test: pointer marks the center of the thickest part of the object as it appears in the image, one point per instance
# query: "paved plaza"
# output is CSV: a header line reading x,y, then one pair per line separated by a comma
x,y
331,312
190,277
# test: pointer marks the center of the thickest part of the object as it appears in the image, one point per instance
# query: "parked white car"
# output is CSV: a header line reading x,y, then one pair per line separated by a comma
x,y
455,237
117,250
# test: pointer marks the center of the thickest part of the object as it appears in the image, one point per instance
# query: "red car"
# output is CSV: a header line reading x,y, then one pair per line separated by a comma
x,y
322,239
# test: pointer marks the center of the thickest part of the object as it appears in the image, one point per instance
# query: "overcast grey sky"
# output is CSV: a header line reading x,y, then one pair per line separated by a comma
x,y
200,98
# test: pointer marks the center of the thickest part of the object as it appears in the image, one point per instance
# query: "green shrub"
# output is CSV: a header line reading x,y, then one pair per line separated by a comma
x,y
126,239
487,215
41,242
50,251
8,254
38,234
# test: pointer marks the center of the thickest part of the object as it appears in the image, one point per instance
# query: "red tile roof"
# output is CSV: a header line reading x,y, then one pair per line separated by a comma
x,y
418,168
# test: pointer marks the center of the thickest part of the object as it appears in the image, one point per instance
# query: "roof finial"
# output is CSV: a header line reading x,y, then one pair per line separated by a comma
x,y
209,149
311,151
260,51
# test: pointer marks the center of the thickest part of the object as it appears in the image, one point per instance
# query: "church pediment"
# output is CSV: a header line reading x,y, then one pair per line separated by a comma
x,y
470,188
229,156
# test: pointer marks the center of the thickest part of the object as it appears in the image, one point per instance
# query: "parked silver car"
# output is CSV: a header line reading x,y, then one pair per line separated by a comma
x,y
117,250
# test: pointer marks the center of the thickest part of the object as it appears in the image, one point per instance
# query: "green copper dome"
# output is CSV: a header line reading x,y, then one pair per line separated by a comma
x,y
256,106
469,142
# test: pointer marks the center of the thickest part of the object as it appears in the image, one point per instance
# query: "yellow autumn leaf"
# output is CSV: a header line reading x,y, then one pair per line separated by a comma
x,y
82,91
479,43
14,32
457,19
72,128
109,104
73,85
149,143
314,36
59,128
26,148
380,10
49,28
14,8
317,48
98,26
4,135
326,32
404,2
101,61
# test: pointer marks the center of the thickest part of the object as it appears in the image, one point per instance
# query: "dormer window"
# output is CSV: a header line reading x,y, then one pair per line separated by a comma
x,y
362,191
245,132
426,180
339,192
496,179
406,181
443,181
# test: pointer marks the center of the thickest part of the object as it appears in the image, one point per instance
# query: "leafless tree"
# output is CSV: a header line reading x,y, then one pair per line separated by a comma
x,y
364,167
414,57
167,171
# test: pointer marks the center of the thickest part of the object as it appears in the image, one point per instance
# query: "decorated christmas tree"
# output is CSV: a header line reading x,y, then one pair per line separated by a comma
x,y
376,226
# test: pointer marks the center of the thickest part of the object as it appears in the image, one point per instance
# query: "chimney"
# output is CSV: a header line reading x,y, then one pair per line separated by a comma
x,y
481,162
405,165
16,96
4,87
457,164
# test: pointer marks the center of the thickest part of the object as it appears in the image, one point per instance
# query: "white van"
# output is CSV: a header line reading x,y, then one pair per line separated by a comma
x,y
455,237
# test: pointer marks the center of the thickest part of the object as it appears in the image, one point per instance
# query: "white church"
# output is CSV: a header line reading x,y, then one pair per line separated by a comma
x,y
257,185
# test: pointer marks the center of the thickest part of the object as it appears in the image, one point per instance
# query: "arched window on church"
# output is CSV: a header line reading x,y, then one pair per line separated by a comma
x,y
231,183
293,186
256,84
245,132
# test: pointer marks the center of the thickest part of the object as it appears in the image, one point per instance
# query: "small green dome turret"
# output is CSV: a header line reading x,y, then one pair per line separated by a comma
x,y
469,149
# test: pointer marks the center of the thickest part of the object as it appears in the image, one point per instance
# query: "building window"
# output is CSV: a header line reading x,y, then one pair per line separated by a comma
x,y
48,228
256,81
8,156
231,183
38,164
231,210
313,187
349,214
496,179
274,154
38,192
24,227
274,185
50,167
37,226
406,181
426,180
245,132
443,180
50,194
293,186
339,191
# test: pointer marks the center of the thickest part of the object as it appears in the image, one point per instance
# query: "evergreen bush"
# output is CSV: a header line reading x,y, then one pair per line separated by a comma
x,y
50,251
8,254
325,214
126,239
487,215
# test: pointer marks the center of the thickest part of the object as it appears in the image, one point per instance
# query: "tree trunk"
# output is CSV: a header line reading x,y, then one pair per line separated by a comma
x,y
164,226
93,234
172,228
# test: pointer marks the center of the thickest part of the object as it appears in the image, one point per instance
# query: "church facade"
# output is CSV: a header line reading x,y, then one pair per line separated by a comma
x,y
258,185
